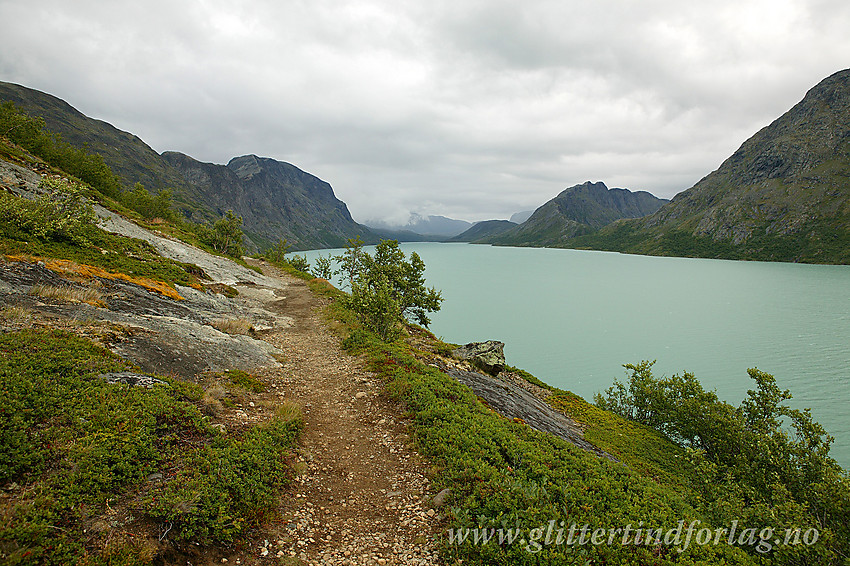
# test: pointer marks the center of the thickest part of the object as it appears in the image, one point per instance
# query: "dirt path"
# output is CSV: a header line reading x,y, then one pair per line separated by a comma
x,y
362,498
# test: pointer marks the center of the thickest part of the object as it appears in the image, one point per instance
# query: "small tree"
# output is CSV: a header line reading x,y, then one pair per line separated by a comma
x,y
388,288
351,261
277,252
373,299
323,267
406,280
226,235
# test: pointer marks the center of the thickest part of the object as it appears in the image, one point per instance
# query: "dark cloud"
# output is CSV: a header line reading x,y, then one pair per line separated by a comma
x,y
472,109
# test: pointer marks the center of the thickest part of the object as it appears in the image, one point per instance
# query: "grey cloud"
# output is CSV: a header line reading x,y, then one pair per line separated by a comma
x,y
464,108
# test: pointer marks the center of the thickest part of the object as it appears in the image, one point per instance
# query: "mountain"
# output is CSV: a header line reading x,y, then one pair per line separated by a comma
x,y
784,195
436,227
578,210
275,199
520,217
484,230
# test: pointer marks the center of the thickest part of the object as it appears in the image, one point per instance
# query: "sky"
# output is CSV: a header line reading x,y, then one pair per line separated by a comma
x,y
463,108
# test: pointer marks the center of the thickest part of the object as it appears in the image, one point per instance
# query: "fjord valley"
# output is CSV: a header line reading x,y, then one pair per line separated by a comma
x,y
169,399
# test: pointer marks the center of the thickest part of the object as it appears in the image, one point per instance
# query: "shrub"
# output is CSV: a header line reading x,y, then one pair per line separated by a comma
x,y
277,252
63,212
225,235
148,205
761,462
77,443
30,133
299,262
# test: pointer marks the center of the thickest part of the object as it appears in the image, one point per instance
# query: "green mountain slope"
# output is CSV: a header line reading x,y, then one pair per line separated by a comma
x,y
484,231
783,196
577,211
275,199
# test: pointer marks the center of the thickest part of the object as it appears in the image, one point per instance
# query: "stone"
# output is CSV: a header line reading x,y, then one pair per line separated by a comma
x,y
489,356
441,498
132,379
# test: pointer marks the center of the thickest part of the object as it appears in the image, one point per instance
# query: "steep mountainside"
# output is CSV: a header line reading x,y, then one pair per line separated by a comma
x,y
275,199
484,230
577,211
783,196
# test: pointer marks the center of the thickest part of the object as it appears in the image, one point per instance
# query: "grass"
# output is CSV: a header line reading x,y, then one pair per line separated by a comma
x,y
16,314
232,325
88,295
74,448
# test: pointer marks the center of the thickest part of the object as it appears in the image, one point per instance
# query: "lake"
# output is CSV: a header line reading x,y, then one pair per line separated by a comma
x,y
572,318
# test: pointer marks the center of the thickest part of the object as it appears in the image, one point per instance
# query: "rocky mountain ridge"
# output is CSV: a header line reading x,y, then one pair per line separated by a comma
x,y
784,195
275,199
578,210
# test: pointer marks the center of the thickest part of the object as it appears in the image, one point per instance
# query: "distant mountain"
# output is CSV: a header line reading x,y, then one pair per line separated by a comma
x,y
784,195
436,227
576,211
484,230
275,199
520,217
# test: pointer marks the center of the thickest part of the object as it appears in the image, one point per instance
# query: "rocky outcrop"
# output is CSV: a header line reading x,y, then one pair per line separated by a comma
x,y
488,356
159,334
516,403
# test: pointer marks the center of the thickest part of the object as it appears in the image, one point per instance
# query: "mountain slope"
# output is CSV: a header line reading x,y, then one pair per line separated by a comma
x,y
275,199
484,230
784,195
576,211
126,154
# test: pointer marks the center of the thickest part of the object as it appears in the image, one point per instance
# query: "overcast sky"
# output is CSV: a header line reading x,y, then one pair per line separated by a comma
x,y
469,109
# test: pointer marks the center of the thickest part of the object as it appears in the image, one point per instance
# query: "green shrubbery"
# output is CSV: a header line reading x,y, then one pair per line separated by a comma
x,y
761,463
30,133
62,213
387,288
73,443
506,475
224,236
147,205
62,224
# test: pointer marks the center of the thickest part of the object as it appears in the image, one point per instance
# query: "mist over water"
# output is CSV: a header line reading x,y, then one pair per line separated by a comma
x,y
572,318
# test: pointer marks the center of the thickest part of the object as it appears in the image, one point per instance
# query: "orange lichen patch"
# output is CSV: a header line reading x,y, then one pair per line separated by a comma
x,y
65,266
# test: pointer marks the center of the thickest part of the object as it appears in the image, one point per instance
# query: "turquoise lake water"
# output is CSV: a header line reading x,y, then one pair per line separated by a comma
x,y
572,318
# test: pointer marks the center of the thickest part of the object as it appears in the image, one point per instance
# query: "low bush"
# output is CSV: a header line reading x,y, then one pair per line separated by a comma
x,y
71,443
